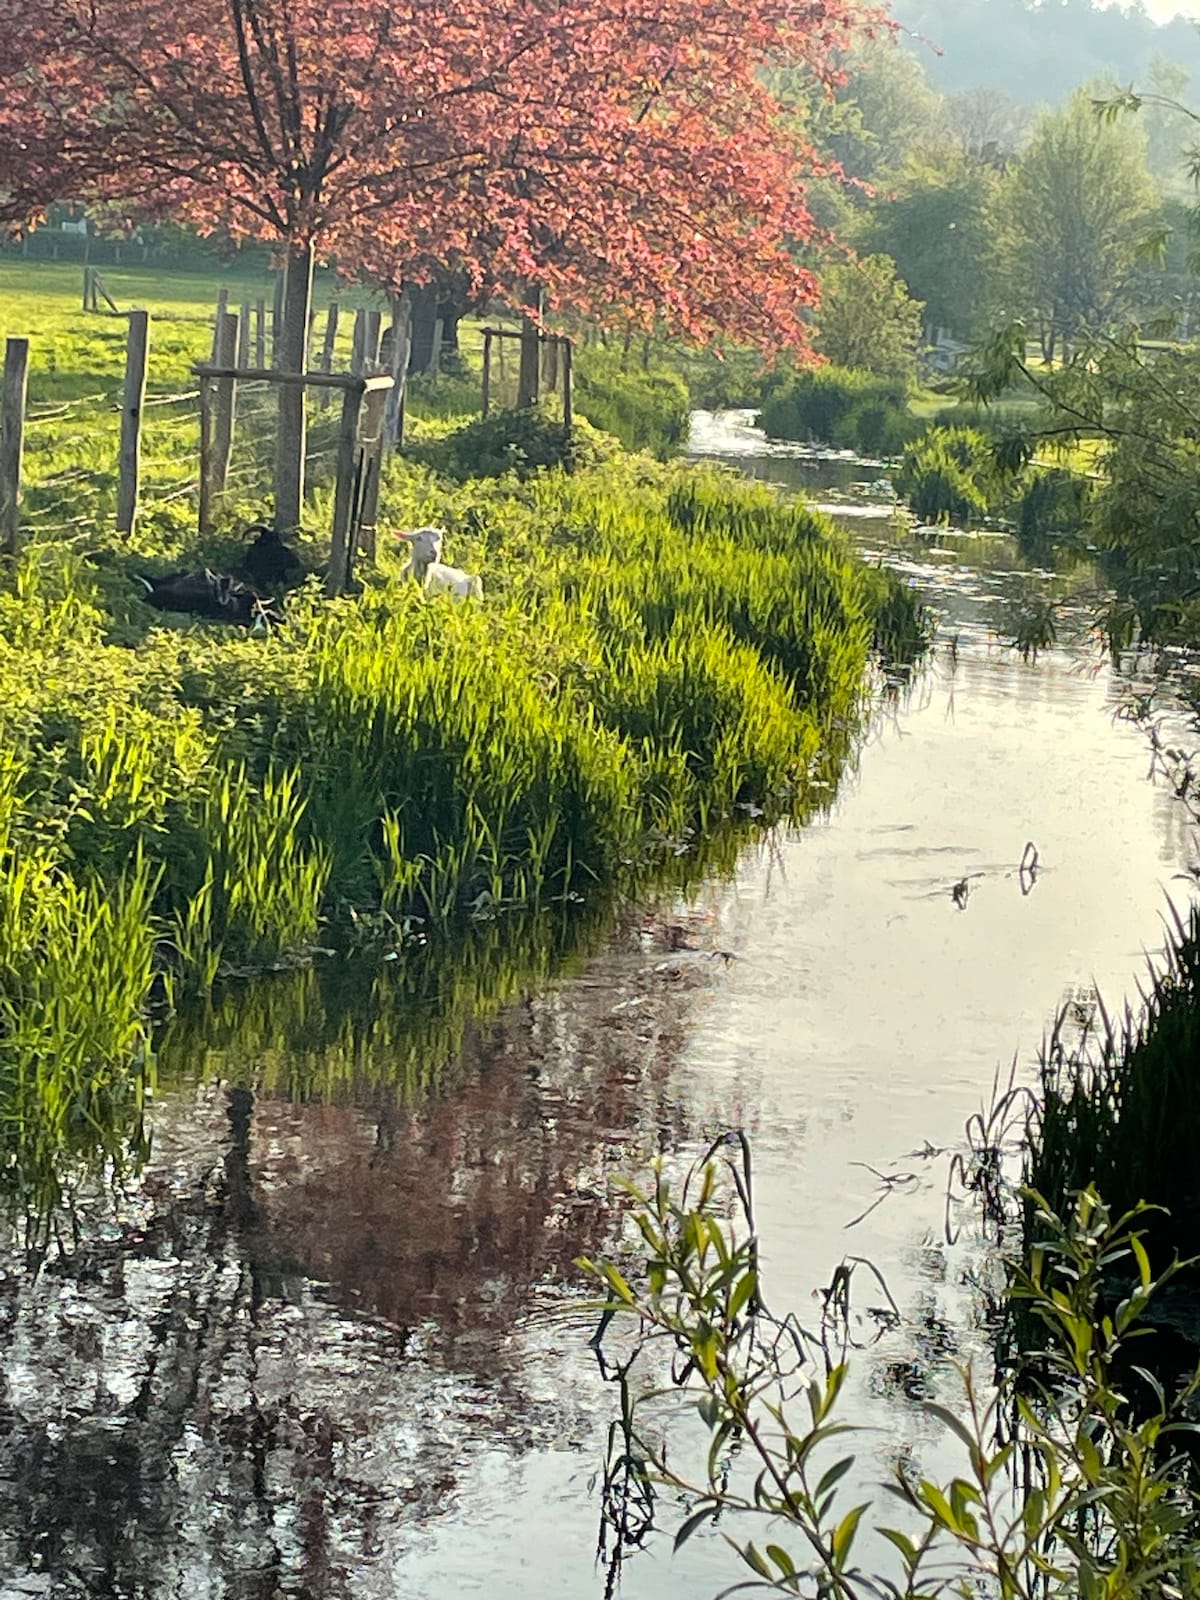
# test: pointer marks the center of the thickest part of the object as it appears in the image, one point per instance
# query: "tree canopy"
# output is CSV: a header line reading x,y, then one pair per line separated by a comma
x,y
602,150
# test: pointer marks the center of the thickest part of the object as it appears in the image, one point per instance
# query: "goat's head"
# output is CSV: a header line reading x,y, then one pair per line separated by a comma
x,y
425,544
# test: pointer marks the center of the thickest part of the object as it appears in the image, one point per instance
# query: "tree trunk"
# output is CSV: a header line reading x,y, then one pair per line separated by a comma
x,y
291,356
424,300
450,313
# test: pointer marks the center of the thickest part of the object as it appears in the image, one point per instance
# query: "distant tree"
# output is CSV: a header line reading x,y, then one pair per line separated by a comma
x,y
987,125
1070,215
867,320
889,109
1038,51
937,225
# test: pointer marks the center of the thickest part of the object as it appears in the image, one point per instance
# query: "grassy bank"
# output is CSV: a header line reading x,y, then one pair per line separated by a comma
x,y
663,655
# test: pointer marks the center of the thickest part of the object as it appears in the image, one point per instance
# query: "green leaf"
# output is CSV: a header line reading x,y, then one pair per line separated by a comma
x,y
843,1537
835,1474
745,1288
706,1513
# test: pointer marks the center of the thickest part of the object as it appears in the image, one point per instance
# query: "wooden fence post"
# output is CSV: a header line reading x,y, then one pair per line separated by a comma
x,y
277,316
12,440
393,425
528,374
358,349
204,522
568,387
329,344
487,373
374,328
243,340
550,364
343,500
374,440
87,288
435,349
260,333
225,401
130,458
222,308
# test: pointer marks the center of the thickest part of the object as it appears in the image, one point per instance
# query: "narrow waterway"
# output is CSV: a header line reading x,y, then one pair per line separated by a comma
x,y
330,1344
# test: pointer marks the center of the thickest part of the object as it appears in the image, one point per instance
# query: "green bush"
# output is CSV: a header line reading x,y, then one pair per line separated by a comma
x,y
644,410
1052,514
836,406
943,474
522,442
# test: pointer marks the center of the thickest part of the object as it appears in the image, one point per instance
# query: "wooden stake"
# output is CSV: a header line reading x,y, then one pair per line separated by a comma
x,y
243,342
374,444
487,373
374,327
133,399
225,402
295,299
568,387
222,308
12,440
343,500
328,345
358,349
260,333
393,426
206,456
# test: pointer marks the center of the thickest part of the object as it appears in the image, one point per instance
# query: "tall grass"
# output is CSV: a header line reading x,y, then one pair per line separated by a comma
x,y
1118,1109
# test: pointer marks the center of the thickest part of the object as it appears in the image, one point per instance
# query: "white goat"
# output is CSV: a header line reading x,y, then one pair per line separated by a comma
x,y
426,566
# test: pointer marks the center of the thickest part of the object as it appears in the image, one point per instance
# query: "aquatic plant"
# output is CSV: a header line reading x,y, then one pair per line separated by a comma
x,y
1116,1105
1077,1496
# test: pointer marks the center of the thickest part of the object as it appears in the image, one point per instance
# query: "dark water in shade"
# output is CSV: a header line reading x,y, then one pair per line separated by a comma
x,y
330,1344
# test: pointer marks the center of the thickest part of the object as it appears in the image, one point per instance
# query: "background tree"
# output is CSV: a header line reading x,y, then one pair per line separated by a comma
x,y
1070,217
937,226
1036,52
867,319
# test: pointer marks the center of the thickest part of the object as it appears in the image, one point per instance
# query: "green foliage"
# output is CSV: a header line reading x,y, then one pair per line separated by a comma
x,y
936,224
943,476
1052,515
867,321
1117,1108
645,410
1099,1501
1071,215
521,442
1136,407
850,409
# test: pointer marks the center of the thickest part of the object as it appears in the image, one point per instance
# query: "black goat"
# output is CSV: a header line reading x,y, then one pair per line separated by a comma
x,y
270,565
210,594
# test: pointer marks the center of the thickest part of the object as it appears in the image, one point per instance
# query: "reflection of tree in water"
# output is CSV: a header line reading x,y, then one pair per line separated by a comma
x,y
263,1372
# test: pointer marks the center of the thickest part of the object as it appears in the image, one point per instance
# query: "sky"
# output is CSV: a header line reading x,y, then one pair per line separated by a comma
x,y
1164,10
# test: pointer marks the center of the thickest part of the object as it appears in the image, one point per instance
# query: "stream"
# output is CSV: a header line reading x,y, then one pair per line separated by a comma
x,y
330,1343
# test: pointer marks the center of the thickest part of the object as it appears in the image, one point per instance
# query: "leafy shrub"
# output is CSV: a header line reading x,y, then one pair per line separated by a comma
x,y
942,475
1052,514
644,410
838,406
522,442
